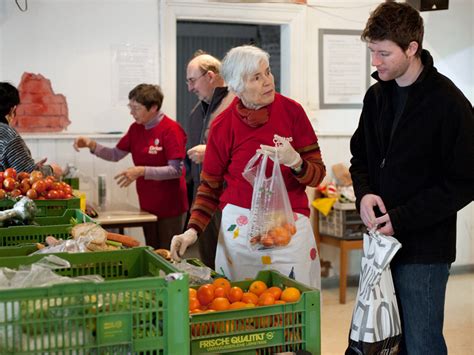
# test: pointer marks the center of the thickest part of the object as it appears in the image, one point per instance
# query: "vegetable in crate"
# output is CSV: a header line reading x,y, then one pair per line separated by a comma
x,y
97,234
23,212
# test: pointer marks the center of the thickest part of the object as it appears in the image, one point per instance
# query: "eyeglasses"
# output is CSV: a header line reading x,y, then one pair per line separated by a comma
x,y
135,108
192,81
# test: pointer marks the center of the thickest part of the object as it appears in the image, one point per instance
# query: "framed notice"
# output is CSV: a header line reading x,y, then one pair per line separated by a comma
x,y
344,69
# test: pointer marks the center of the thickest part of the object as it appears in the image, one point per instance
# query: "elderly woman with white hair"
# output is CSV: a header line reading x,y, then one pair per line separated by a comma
x,y
257,116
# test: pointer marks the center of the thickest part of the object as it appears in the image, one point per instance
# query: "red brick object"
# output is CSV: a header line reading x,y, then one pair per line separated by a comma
x,y
40,109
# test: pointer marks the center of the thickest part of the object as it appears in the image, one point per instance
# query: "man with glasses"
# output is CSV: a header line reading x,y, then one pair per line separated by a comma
x,y
204,80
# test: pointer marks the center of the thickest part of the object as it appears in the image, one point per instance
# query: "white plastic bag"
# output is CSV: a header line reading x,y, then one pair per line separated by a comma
x,y
271,218
375,326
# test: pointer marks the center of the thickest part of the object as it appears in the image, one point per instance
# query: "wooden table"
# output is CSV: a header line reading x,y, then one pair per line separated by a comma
x,y
344,245
124,216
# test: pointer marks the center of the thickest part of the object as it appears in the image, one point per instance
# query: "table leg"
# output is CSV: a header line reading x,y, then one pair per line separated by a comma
x,y
343,272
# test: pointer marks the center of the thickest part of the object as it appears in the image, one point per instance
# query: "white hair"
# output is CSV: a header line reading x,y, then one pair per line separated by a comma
x,y
240,62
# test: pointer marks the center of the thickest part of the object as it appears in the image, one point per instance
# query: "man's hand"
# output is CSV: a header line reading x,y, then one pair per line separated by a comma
x,y
367,213
128,176
181,242
287,155
196,154
386,224
84,142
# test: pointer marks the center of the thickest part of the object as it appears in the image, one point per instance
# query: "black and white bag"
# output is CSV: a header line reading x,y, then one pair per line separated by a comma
x,y
375,326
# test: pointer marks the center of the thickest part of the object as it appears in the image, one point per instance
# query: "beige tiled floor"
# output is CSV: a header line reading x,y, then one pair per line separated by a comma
x,y
458,326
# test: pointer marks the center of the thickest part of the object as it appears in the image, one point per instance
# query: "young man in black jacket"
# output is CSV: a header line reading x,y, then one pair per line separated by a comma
x,y
413,168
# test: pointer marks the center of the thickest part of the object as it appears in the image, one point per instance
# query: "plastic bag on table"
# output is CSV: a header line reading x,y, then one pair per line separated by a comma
x,y
271,218
375,326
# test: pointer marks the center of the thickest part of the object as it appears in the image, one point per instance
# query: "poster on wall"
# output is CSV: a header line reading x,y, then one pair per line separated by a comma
x,y
131,65
344,69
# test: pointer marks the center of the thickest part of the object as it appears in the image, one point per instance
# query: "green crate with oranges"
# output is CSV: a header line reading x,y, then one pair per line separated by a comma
x,y
278,327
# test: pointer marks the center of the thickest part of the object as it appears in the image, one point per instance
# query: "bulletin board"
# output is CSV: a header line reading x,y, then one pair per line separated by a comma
x,y
344,69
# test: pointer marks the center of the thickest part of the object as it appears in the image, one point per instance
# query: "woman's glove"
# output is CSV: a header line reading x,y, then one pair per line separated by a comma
x,y
181,242
287,155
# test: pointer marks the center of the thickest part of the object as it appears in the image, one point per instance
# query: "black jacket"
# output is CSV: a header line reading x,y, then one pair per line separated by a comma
x,y
196,127
425,174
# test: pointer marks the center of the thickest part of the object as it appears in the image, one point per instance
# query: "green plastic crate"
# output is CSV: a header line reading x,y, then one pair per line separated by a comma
x,y
18,250
47,207
261,330
56,226
73,182
134,311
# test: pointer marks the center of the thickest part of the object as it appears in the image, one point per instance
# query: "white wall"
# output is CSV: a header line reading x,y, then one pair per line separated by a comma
x,y
71,41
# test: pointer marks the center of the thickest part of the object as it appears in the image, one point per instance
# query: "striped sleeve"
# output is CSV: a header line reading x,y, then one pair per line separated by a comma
x,y
18,156
206,201
313,170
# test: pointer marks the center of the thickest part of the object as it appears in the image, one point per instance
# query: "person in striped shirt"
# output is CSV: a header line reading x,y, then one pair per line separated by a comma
x,y
14,152
253,121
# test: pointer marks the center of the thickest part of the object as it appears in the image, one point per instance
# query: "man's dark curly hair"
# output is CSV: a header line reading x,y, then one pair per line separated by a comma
x,y
396,22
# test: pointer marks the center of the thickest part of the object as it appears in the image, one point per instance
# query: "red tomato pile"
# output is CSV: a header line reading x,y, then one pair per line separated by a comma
x,y
35,186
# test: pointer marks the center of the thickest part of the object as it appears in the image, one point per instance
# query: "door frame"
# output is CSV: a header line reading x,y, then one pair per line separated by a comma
x,y
291,18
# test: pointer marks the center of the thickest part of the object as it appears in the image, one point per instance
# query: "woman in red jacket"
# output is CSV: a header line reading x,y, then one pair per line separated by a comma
x,y
256,117
157,144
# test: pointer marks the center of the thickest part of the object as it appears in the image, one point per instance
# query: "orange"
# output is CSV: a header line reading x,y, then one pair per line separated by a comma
x,y
192,293
249,297
194,304
205,294
281,236
275,291
235,294
258,287
237,305
290,228
220,292
266,299
290,294
197,310
222,282
220,304
279,302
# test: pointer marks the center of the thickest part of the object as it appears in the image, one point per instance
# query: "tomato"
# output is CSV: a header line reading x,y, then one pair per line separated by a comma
x,y
31,193
3,194
15,193
24,186
1,178
61,194
39,186
49,180
56,186
35,175
67,190
53,195
23,175
9,184
10,173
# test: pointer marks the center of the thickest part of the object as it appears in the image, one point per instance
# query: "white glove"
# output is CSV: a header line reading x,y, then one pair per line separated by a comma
x,y
196,154
181,242
287,155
